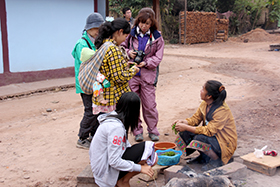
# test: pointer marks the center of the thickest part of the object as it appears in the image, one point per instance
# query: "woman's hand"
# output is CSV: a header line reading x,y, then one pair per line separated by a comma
x,y
132,54
136,69
130,64
147,170
133,65
141,64
180,126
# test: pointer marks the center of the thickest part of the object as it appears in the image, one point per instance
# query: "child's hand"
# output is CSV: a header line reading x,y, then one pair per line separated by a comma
x,y
136,69
147,170
106,83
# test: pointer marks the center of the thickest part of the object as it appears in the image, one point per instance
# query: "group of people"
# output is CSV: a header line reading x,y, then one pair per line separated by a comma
x,y
126,54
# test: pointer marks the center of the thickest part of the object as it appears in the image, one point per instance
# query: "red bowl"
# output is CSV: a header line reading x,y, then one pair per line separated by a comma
x,y
164,145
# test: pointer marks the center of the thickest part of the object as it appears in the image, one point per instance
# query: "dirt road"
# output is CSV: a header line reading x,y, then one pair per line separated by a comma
x,y
37,148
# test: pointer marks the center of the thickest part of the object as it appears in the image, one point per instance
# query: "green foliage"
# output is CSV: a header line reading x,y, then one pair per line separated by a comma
x,y
170,25
173,128
169,153
274,10
202,5
224,6
170,22
116,6
247,13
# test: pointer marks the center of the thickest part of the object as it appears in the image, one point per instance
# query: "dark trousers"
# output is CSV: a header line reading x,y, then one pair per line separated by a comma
x,y
134,154
188,137
89,122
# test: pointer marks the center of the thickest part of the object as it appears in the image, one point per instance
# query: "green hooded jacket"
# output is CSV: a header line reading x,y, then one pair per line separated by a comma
x,y
76,53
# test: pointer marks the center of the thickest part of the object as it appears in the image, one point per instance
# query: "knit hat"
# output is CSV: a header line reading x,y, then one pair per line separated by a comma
x,y
86,54
94,20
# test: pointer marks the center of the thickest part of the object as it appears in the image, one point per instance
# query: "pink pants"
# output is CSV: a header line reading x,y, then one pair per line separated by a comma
x,y
147,94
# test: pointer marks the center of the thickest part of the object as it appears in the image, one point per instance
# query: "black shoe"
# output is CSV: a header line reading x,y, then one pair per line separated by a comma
x,y
230,160
201,159
196,160
212,165
83,144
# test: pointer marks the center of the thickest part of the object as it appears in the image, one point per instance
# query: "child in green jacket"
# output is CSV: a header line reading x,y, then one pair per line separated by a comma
x,y
89,122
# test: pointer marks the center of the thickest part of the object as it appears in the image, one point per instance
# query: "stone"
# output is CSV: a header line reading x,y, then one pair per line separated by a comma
x,y
156,169
234,170
49,110
26,177
86,178
200,180
178,171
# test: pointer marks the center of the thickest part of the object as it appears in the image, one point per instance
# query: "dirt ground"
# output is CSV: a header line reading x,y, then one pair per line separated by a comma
x,y
38,148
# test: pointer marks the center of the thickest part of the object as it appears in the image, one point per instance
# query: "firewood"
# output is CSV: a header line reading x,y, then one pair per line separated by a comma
x,y
202,27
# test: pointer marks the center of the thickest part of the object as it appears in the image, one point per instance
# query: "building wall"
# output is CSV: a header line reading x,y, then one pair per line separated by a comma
x,y
42,33
101,6
1,53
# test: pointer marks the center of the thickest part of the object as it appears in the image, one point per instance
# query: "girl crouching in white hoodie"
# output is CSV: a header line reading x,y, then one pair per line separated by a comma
x,y
113,160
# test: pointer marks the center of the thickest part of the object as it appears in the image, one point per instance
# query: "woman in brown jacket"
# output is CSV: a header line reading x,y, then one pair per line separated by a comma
x,y
216,138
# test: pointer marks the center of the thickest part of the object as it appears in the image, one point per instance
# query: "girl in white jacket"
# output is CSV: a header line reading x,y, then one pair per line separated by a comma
x,y
113,160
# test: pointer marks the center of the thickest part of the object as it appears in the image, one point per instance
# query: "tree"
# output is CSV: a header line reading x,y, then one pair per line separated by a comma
x,y
202,5
224,6
169,20
274,14
116,6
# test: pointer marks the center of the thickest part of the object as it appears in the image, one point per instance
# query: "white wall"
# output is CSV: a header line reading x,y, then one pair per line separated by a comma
x,y
101,6
1,53
42,33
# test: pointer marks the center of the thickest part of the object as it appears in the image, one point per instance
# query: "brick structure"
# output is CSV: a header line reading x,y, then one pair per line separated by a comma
x,y
203,27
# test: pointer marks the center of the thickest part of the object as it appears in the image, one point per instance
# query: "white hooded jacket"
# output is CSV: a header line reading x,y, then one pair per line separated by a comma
x,y
106,150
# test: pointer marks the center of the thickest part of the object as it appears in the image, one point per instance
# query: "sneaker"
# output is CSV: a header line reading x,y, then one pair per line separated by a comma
x,y
139,137
153,137
90,138
83,144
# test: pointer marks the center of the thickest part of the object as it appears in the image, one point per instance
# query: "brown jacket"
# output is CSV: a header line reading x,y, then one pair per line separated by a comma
x,y
222,125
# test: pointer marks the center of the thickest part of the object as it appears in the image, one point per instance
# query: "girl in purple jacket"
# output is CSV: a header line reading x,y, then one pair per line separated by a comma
x,y
145,46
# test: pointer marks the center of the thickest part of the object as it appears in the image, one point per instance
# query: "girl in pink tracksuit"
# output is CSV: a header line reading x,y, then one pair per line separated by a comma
x,y
145,46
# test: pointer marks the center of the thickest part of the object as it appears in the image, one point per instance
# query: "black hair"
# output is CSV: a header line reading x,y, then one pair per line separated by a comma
x,y
143,16
125,9
107,29
218,93
128,110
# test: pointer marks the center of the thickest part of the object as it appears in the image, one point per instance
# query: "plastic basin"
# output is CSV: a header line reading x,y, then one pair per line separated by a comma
x,y
164,145
164,160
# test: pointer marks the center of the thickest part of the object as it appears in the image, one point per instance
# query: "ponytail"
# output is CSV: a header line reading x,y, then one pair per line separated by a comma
x,y
218,93
107,29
